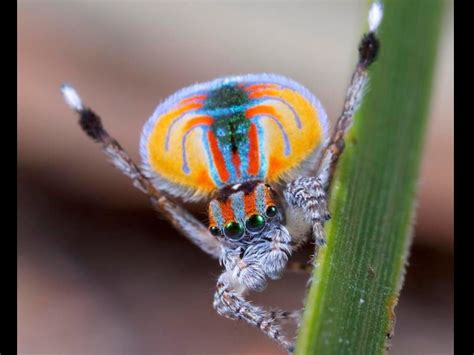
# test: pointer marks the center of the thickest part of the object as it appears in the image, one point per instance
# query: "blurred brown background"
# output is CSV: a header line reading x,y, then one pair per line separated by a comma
x,y
98,272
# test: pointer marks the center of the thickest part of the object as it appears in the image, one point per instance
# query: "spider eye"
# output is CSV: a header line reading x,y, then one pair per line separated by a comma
x,y
255,223
214,231
233,230
271,211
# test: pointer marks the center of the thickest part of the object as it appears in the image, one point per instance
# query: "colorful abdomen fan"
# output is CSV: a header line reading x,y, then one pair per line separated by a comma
x,y
231,130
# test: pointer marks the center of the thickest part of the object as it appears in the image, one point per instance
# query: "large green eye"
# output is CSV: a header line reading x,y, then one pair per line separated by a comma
x,y
233,230
255,223
214,231
271,211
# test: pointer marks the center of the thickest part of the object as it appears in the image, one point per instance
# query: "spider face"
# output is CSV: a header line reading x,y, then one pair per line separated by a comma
x,y
242,213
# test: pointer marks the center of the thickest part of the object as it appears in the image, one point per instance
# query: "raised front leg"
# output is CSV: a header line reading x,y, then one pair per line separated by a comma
x,y
181,219
306,196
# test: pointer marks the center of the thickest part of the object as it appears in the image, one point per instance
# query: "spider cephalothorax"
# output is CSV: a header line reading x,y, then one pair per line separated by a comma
x,y
243,212
258,148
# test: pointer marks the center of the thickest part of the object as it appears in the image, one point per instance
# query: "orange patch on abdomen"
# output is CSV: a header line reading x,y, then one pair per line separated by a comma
x,y
182,109
261,93
262,109
260,86
206,120
217,157
275,165
254,162
204,179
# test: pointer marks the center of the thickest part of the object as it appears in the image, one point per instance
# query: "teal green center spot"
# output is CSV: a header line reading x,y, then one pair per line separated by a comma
x,y
225,97
232,130
227,105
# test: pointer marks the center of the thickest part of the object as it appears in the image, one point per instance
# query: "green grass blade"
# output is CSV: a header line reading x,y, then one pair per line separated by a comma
x,y
358,274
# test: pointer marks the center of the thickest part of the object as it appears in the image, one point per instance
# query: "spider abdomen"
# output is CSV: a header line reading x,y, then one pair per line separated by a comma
x,y
229,131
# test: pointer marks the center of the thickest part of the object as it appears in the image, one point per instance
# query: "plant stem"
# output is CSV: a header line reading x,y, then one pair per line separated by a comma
x,y
359,273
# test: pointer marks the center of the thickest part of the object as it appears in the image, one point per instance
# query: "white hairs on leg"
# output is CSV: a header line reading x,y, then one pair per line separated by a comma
x,y
72,98
375,15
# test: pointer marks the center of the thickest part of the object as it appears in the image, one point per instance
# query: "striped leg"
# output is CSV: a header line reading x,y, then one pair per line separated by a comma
x,y
229,302
306,196
181,219
247,270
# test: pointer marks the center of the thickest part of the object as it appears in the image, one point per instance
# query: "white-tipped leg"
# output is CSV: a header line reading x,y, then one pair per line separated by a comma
x,y
375,15
181,219
71,97
368,52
